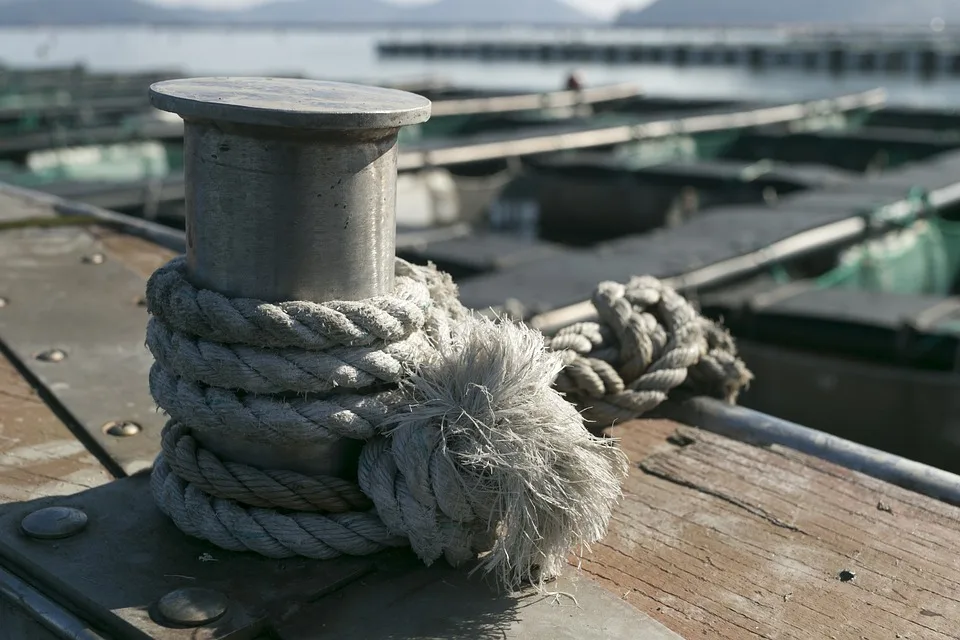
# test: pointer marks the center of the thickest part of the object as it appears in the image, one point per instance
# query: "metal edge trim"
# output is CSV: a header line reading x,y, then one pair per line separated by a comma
x,y
44,611
156,233
754,427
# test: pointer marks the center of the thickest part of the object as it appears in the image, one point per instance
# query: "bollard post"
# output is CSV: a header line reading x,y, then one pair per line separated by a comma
x,y
290,195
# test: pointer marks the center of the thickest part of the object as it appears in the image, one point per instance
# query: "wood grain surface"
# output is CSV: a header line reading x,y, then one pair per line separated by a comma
x,y
720,539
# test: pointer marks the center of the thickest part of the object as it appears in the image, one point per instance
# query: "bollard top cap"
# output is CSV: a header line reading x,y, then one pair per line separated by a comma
x,y
290,102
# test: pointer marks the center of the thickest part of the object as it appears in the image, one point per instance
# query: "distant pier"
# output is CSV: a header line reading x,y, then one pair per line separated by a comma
x,y
921,54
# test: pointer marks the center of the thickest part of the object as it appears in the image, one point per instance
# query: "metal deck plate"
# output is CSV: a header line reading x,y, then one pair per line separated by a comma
x,y
129,556
69,304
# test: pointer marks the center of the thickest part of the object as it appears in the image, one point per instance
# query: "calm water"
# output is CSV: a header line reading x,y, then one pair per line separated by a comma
x,y
351,55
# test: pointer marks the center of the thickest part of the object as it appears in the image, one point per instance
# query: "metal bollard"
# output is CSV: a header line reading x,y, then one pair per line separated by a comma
x,y
290,195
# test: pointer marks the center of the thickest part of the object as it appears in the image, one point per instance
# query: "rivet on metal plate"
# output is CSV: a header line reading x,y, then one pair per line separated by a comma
x,y
122,428
52,355
52,523
191,607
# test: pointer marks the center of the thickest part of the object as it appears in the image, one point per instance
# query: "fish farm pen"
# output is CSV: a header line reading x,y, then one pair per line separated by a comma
x,y
823,235
854,52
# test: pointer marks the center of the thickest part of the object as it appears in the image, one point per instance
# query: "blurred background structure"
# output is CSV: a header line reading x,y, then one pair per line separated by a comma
x,y
793,168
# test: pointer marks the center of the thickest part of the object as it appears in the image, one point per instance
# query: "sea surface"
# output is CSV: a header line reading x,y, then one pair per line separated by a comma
x,y
350,54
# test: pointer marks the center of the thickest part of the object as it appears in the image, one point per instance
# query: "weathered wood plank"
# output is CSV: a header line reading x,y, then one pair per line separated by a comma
x,y
719,539
39,456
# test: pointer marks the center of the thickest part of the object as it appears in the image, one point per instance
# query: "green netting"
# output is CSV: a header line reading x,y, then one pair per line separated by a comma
x,y
950,231
119,163
922,257
915,259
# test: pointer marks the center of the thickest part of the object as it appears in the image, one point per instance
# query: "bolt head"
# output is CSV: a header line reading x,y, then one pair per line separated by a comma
x,y
192,607
95,258
52,355
122,428
53,523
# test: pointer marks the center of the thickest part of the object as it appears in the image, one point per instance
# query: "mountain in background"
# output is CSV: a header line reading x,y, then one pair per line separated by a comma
x,y
726,13
292,12
306,11
442,12
88,12
487,11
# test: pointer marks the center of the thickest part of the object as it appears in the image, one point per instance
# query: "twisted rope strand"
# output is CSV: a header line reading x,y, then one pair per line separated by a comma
x,y
261,370
649,341
266,531
254,487
307,325
270,420
468,448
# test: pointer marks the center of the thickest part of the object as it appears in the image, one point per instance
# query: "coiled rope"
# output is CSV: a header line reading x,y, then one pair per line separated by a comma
x,y
648,342
468,449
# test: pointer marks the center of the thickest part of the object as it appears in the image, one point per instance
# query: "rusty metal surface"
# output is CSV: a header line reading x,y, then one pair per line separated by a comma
x,y
130,556
65,293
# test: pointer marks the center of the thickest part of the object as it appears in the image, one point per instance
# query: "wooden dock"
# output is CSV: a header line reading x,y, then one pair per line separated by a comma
x,y
714,538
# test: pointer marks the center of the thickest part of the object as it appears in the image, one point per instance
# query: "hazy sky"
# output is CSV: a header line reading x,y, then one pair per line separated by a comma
x,y
604,8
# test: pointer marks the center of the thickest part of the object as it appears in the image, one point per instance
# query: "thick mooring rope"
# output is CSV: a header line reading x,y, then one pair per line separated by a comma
x,y
468,451
649,341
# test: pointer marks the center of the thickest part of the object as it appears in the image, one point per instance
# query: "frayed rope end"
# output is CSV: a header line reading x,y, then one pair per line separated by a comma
x,y
512,470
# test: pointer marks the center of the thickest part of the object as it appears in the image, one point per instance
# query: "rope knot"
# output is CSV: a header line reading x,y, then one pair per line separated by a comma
x,y
649,341
490,459
468,447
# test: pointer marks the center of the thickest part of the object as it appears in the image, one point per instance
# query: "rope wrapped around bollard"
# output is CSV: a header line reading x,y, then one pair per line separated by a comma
x,y
470,449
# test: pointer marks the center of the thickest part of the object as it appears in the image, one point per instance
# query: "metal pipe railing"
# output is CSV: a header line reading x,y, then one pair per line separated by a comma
x,y
758,428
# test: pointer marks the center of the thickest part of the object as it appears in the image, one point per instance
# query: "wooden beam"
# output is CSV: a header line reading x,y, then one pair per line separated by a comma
x,y
719,539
